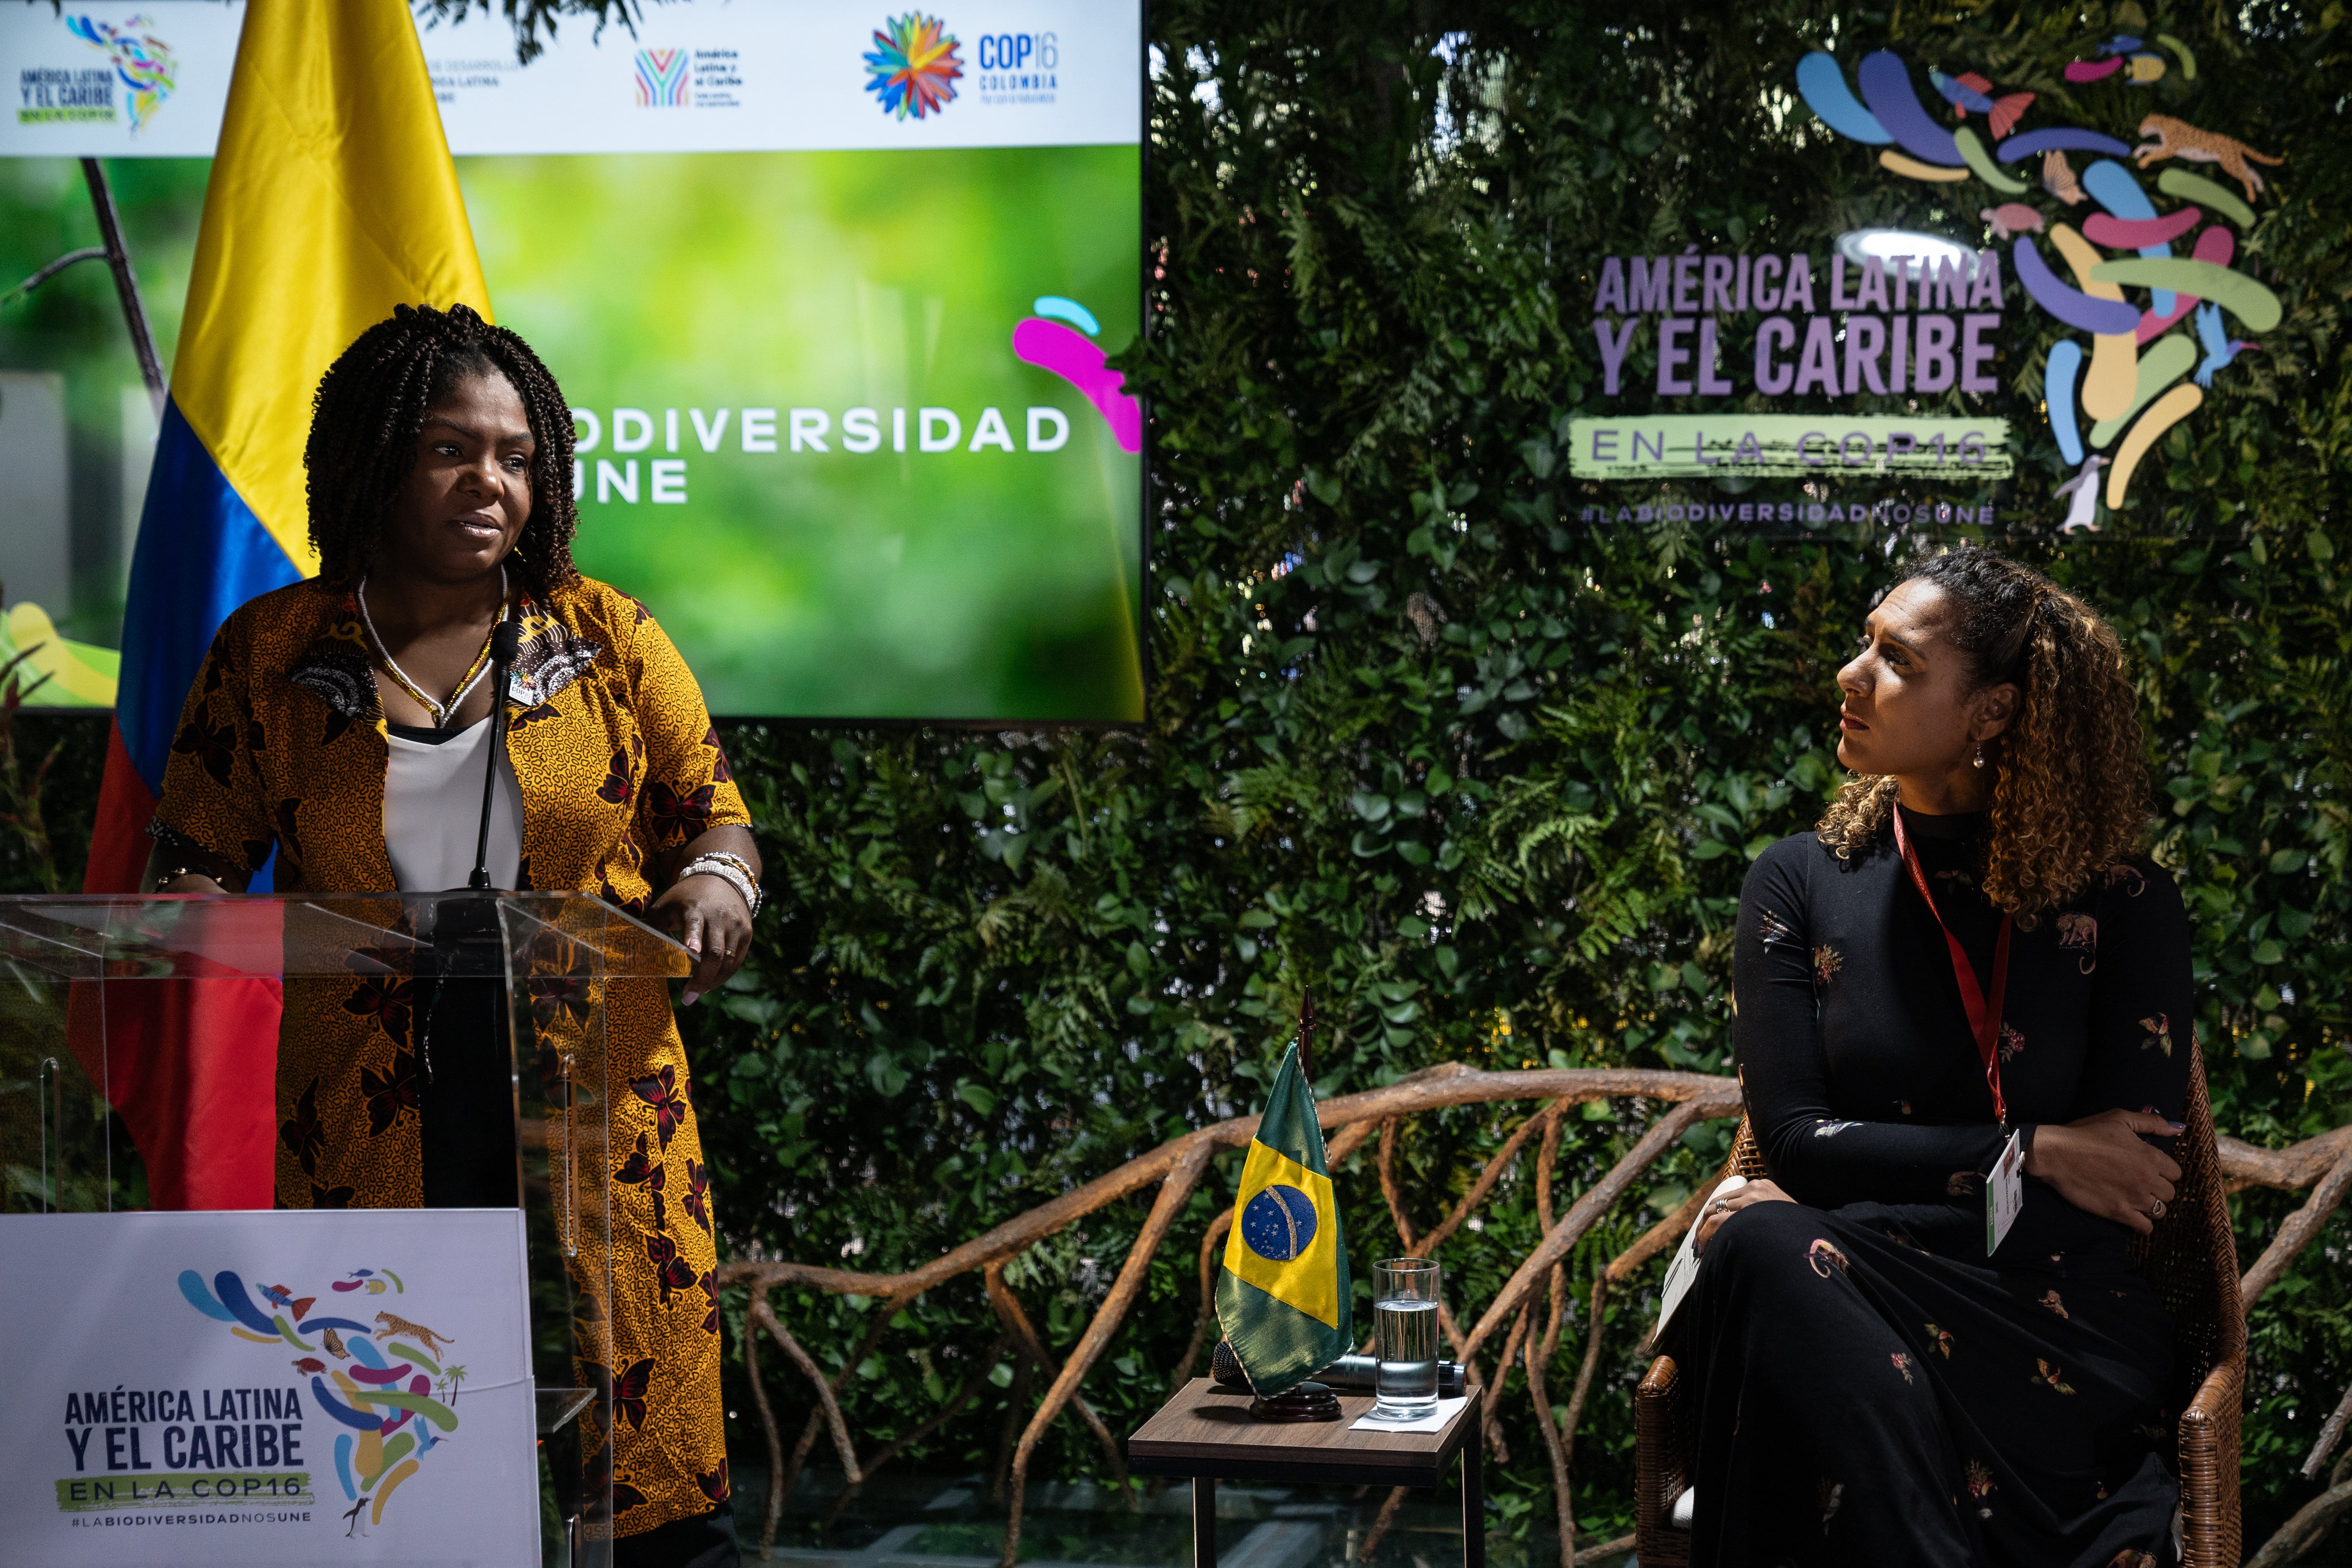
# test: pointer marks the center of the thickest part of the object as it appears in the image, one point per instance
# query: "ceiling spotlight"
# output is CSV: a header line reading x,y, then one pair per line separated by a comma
x,y
1922,250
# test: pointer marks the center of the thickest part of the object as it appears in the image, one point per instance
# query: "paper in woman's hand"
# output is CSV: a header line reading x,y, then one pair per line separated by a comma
x,y
1684,1267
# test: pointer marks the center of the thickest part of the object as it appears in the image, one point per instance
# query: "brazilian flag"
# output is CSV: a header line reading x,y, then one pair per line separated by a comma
x,y
1283,1296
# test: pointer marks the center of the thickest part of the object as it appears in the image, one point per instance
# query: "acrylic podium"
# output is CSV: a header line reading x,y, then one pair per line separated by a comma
x,y
97,988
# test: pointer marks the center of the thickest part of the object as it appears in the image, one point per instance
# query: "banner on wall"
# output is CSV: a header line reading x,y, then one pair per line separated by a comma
x,y
254,1387
1861,383
831,287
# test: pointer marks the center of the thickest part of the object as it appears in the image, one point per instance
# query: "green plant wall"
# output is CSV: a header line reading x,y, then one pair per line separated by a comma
x,y
1487,778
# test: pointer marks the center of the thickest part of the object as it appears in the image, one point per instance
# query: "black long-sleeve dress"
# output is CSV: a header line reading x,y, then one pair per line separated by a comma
x,y
1871,1388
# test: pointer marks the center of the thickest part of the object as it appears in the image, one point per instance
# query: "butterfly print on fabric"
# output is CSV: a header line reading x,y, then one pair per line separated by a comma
x,y
290,836
1940,1340
628,1392
710,1284
626,1497
329,1197
662,1092
214,745
560,1000
301,1131
616,788
720,771
390,1093
698,1193
637,1167
1980,1484
714,1484
2053,1376
1902,1364
2011,1042
679,817
388,999
2160,1032
1827,962
1824,1257
2080,932
654,1185
671,1272
530,716
2051,1299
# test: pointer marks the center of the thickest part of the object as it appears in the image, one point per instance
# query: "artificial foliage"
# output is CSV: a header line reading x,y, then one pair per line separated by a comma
x,y
1483,776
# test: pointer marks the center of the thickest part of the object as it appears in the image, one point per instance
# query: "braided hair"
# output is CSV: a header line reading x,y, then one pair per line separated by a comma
x,y
368,415
2069,773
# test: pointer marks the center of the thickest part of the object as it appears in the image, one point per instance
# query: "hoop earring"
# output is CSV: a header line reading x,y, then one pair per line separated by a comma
x,y
1979,756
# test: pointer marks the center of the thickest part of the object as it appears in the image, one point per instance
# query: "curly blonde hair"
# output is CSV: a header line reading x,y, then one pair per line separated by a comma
x,y
2069,774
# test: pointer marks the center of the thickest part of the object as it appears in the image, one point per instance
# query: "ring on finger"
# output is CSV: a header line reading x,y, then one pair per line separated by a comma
x,y
2157,1210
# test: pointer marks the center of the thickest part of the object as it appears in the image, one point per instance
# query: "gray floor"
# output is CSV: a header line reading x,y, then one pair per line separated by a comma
x,y
907,1521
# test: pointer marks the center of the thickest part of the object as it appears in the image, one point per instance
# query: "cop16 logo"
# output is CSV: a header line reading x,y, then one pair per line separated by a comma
x,y
1018,51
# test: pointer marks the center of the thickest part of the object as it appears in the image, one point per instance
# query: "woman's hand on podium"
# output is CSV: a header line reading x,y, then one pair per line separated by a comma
x,y
708,914
1762,1190
2101,1166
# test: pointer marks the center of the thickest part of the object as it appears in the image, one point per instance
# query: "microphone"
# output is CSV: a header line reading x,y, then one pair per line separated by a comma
x,y
506,642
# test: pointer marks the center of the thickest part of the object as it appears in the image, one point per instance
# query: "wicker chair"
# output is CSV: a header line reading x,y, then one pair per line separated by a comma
x,y
2191,1261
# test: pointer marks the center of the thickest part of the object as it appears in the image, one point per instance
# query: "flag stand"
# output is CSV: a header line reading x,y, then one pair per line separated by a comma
x,y
1308,1401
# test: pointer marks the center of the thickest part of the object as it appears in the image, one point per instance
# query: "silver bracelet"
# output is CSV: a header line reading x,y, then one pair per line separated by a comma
x,y
720,867
731,859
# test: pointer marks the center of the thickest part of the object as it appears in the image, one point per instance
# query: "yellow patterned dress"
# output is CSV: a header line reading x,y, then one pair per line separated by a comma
x,y
282,746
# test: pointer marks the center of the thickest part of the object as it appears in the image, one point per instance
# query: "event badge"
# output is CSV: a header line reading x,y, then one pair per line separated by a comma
x,y
1684,1267
2004,1192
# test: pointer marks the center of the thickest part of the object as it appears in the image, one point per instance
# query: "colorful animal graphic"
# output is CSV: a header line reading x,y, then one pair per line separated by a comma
x,y
384,1397
2058,178
1968,90
2179,139
2011,218
2082,511
2220,350
395,1325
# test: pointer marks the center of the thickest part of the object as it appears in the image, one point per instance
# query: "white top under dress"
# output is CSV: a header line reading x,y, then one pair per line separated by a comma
x,y
433,809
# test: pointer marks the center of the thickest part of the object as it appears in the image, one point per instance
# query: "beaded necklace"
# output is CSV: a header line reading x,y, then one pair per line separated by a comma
x,y
442,712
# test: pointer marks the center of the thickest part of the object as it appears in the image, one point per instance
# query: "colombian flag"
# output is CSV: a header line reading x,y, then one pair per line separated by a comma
x,y
1284,1298
332,198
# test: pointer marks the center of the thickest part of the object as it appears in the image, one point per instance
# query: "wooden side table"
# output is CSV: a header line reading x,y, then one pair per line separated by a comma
x,y
1205,1433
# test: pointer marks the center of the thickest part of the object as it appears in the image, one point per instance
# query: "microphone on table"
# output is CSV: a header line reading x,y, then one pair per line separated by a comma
x,y
1356,1374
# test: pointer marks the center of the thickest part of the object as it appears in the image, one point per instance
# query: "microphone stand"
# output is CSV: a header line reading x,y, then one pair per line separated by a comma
x,y
469,1147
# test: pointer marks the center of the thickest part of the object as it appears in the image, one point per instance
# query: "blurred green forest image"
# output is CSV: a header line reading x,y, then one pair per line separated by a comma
x,y
1482,773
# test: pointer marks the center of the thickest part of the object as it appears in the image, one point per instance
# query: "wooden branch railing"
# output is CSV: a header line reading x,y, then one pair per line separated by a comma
x,y
1177,1167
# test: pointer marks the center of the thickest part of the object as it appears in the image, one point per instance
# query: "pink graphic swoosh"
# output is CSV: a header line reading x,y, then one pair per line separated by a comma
x,y
1079,360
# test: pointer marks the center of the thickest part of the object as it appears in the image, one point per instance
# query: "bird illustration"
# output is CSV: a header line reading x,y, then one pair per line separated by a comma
x,y
353,1515
2058,178
2219,350
335,1346
1968,90
2084,488
2011,218
396,1324
311,1365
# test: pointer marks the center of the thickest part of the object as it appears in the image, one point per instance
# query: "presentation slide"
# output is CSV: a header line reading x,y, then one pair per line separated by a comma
x,y
829,287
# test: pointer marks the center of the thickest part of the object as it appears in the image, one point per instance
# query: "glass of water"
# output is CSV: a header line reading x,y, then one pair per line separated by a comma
x,y
1404,1333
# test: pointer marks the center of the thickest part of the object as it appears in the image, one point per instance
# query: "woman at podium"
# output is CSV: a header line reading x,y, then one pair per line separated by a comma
x,y
341,725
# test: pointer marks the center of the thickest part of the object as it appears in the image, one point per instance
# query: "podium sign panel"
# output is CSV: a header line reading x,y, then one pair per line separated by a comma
x,y
329,1326
177,1413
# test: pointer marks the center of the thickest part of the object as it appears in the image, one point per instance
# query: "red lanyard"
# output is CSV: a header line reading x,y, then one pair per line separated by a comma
x,y
1984,1011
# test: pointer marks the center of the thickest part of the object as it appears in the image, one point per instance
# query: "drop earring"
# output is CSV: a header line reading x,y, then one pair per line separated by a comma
x,y
1979,756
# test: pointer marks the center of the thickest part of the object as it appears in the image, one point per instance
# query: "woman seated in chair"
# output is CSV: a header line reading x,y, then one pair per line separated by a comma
x,y
1970,948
